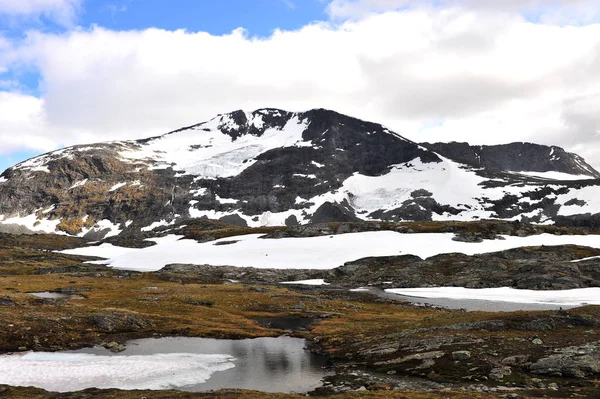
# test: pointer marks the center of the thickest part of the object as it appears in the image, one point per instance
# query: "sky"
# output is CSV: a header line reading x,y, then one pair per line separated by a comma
x,y
481,71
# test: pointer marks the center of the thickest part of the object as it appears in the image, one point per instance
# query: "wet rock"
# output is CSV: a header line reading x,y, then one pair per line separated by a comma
x,y
461,355
537,341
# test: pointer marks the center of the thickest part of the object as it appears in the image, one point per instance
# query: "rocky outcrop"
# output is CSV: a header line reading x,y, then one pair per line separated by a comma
x,y
540,268
574,361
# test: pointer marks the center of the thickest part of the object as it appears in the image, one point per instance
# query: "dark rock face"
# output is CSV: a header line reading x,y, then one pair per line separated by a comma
x,y
515,157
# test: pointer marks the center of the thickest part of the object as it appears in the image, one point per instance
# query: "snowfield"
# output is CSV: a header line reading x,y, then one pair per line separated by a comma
x,y
574,297
326,252
64,372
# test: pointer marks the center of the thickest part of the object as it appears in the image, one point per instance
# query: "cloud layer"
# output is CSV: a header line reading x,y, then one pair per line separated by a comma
x,y
478,74
63,12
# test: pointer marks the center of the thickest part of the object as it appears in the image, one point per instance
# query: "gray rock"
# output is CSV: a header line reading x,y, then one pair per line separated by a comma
x,y
575,361
461,355
115,322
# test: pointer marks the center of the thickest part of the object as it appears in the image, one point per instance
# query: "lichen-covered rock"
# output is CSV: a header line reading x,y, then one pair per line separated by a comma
x,y
575,361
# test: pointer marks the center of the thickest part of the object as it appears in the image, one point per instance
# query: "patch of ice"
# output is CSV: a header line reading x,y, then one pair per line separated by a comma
x,y
35,224
226,200
206,152
317,281
49,209
359,289
117,186
311,176
199,192
78,184
577,296
3,179
64,372
39,169
555,175
585,259
104,224
158,224
318,165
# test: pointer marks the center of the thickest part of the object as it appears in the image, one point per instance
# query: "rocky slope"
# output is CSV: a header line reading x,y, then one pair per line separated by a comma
x,y
273,167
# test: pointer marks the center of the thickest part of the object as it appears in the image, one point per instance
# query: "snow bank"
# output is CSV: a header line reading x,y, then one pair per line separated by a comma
x,y
317,281
65,372
325,252
579,296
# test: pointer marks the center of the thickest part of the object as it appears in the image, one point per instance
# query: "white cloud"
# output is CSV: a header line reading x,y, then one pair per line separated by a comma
x,y
22,124
435,74
548,11
63,12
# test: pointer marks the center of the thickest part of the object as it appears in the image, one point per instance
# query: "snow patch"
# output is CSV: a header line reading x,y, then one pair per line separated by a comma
x,y
556,175
309,252
579,296
64,372
206,152
117,186
78,184
318,281
158,224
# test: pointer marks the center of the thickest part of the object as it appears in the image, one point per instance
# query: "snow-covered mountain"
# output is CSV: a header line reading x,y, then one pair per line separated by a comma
x,y
273,167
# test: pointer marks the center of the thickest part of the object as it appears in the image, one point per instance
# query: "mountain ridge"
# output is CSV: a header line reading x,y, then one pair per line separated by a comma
x,y
275,167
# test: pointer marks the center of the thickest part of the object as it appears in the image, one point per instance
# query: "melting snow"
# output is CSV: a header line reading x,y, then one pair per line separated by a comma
x,y
318,281
117,186
208,153
63,372
556,175
579,296
157,224
325,252
79,183
34,224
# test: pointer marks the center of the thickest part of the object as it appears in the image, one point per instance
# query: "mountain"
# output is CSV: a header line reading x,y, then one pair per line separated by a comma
x,y
274,167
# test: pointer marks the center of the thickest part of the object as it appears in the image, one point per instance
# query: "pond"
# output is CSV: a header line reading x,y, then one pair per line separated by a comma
x,y
190,364
55,295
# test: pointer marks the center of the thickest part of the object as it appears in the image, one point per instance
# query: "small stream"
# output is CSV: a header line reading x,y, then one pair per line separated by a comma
x,y
190,364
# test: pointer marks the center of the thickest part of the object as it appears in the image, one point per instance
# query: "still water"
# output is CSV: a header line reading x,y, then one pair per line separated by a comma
x,y
264,364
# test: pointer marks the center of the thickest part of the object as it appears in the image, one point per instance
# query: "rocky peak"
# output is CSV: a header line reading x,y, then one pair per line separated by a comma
x,y
515,157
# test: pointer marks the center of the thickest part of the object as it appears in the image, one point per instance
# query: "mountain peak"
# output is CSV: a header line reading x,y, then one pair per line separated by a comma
x,y
272,167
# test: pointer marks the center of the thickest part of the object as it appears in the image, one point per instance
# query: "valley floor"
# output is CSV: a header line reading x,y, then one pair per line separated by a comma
x,y
377,347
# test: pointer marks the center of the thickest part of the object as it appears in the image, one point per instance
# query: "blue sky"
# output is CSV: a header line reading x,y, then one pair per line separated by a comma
x,y
482,71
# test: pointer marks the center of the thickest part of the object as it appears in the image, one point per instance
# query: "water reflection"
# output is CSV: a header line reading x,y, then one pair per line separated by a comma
x,y
264,364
